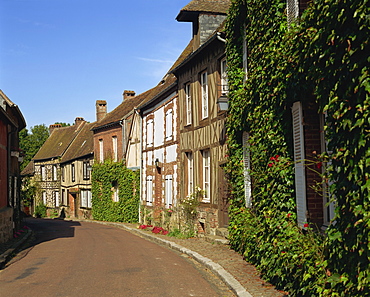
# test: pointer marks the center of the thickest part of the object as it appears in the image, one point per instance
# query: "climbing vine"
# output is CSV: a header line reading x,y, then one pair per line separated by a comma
x,y
323,54
110,177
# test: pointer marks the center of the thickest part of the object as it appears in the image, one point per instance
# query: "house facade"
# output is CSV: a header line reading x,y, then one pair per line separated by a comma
x,y
11,123
202,82
75,176
47,167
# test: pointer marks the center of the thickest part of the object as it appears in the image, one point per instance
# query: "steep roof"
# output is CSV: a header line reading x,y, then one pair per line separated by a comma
x,y
29,169
21,123
82,145
122,110
58,142
191,10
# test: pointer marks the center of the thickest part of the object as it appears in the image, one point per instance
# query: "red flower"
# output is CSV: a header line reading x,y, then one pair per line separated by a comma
x,y
289,215
270,164
319,165
164,232
305,225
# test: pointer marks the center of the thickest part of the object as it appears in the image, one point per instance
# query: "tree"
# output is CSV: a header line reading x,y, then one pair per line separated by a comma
x,y
31,142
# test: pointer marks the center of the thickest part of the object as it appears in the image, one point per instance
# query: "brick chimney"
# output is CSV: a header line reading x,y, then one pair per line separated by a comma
x,y
101,109
128,94
53,127
79,120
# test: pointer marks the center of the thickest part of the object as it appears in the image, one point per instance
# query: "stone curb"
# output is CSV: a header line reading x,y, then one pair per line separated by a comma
x,y
228,279
6,256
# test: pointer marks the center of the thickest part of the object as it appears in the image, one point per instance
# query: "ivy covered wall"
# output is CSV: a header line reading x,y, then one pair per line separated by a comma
x,y
325,55
110,177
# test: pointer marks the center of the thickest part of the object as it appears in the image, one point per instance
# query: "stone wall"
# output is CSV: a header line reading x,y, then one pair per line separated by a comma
x,y
6,224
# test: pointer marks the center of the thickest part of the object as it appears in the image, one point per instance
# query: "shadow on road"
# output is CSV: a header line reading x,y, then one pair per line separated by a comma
x,y
50,229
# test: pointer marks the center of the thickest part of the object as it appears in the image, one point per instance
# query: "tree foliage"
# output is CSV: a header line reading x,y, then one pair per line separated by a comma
x,y
31,141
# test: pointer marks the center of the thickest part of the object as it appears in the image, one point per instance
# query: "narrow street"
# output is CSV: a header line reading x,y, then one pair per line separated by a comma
x,y
85,259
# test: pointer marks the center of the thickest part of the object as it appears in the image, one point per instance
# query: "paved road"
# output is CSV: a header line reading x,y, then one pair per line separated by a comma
x,y
86,259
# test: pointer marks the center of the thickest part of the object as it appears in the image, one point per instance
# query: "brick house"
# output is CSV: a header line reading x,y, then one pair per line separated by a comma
x,y
11,123
202,83
47,167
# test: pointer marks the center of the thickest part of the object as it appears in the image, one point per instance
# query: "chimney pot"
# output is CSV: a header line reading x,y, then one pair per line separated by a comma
x,y
53,127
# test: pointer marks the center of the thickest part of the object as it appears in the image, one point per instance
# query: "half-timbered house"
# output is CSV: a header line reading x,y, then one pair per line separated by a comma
x,y
202,83
47,171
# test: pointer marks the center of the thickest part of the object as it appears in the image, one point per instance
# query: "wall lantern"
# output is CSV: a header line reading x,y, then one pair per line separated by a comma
x,y
223,103
156,163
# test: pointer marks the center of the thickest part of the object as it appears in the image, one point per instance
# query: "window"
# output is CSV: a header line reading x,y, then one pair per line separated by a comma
x,y
86,198
101,150
169,191
169,125
149,133
204,92
73,172
115,148
299,155
206,175
188,103
43,173
56,197
247,167
149,190
245,56
115,191
63,169
292,10
189,157
55,173
44,200
224,82
86,170
64,198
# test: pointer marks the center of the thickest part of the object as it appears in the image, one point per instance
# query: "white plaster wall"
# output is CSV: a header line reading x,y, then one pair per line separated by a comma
x,y
171,153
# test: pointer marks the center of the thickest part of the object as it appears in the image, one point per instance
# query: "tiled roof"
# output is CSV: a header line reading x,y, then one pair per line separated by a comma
x,y
82,145
198,6
122,110
29,169
58,142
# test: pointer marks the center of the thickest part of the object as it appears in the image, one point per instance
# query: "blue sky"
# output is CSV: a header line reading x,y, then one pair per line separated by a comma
x,y
57,57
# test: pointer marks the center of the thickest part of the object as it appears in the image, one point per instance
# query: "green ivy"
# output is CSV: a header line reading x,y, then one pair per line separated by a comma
x,y
104,177
326,54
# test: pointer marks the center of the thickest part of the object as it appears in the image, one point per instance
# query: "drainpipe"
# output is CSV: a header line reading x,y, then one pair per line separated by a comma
x,y
141,160
122,123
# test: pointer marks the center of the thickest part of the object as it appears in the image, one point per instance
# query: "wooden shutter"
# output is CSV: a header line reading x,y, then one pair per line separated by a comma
x,y
247,167
300,175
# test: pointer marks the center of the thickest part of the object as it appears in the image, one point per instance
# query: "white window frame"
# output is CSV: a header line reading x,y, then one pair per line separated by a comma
x,y
299,163
43,172
206,156
169,124
56,197
224,80
149,190
115,148
188,104
73,172
101,150
247,168
44,200
169,191
190,161
86,198
55,173
204,94
149,133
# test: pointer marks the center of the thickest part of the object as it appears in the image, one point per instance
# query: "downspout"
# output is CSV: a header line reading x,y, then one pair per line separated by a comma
x,y
220,38
141,161
122,123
